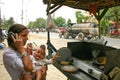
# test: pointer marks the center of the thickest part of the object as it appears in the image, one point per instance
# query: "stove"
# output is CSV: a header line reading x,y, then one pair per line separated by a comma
x,y
83,58
83,55
88,68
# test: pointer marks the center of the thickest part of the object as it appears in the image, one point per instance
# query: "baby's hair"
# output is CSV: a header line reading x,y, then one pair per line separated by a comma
x,y
43,46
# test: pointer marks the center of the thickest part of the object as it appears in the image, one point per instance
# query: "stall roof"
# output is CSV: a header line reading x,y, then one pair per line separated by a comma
x,y
83,4
93,6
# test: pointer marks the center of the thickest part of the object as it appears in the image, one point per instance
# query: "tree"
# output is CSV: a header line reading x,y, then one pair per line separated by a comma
x,y
59,21
69,22
104,26
85,18
109,16
31,25
79,17
7,23
39,23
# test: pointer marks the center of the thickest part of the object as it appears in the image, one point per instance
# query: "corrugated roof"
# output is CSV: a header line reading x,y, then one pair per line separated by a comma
x,y
84,4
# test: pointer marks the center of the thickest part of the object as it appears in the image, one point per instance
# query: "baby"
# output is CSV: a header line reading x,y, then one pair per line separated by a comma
x,y
40,64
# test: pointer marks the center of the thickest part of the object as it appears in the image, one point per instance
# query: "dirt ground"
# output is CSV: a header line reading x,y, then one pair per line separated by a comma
x,y
53,73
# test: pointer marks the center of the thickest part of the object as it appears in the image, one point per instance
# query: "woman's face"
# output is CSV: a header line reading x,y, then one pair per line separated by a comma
x,y
24,35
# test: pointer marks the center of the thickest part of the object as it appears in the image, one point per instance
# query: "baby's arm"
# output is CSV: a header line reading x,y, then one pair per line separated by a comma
x,y
52,60
55,57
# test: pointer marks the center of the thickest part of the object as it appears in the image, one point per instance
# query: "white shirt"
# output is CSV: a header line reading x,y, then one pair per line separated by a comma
x,y
13,63
37,64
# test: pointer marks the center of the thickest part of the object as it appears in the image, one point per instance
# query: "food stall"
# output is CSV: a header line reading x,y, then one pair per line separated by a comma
x,y
87,61
84,60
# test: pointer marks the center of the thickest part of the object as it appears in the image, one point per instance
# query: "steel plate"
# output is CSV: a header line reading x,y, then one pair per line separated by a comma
x,y
65,54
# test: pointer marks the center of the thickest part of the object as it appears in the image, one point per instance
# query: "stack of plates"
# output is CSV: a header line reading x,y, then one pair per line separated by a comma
x,y
69,68
64,62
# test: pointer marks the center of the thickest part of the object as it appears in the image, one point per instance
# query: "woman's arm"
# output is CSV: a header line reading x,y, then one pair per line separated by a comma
x,y
26,61
18,42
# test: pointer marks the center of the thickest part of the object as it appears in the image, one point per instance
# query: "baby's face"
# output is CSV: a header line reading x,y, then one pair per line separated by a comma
x,y
41,56
41,53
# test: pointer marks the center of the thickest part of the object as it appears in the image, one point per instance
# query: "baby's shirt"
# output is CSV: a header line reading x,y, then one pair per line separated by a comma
x,y
37,64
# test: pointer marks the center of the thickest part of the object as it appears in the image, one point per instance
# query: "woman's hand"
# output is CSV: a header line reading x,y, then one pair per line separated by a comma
x,y
18,42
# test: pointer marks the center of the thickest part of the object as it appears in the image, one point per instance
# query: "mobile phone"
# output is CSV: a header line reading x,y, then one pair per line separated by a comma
x,y
10,34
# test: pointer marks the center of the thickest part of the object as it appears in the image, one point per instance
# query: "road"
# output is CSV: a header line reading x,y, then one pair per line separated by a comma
x,y
114,42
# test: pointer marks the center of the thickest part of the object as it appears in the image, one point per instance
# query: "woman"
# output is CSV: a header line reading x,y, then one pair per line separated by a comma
x,y
15,58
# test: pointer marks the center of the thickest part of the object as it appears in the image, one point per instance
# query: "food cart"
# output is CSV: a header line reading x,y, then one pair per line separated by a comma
x,y
84,60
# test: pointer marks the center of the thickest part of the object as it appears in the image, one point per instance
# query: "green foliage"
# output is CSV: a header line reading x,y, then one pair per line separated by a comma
x,y
111,13
79,16
69,22
104,26
59,21
39,23
85,18
31,25
7,23
109,16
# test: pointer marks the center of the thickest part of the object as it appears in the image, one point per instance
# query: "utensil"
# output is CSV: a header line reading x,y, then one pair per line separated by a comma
x,y
69,68
65,54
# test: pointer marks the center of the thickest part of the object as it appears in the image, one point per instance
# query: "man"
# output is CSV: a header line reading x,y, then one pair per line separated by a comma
x,y
1,35
0,30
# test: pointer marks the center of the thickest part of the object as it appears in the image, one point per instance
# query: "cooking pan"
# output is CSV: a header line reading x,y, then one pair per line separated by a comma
x,y
65,54
100,61
69,68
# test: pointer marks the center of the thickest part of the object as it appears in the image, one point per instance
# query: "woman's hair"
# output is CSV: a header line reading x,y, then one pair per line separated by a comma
x,y
15,28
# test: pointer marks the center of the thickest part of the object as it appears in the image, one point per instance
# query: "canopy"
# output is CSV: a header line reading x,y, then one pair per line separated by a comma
x,y
83,4
93,6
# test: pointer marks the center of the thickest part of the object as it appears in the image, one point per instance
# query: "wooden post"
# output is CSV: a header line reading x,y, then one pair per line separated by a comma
x,y
99,16
99,29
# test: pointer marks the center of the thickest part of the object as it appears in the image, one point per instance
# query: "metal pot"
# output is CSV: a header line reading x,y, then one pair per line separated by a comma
x,y
65,54
100,60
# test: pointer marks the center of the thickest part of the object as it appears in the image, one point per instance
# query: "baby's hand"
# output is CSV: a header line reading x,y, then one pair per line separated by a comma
x,y
56,56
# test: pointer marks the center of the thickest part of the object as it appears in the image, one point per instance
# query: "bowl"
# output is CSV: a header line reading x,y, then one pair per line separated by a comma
x,y
101,60
64,62
69,68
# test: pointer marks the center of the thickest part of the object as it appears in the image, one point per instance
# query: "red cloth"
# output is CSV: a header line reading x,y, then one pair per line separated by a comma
x,y
92,8
30,50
